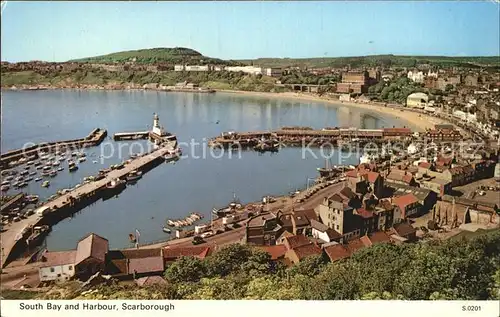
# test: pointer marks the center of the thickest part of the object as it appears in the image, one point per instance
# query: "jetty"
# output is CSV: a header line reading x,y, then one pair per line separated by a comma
x,y
295,136
157,135
10,158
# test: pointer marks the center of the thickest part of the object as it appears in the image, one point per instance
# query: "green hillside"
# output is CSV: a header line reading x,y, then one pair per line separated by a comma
x,y
378,60
176,55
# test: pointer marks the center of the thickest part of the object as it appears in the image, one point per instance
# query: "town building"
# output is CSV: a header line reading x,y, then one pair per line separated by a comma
x,y
408,205
335,213
417,100
263,229
135,263
354,82
298,248
88,259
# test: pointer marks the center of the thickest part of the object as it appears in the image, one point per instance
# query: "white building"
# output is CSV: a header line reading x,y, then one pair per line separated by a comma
x,y
245,69
179,68
322,232
197,68
273,72
416,76
59,266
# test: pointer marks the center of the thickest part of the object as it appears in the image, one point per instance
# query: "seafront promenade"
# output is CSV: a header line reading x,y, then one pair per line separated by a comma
x,y
15,233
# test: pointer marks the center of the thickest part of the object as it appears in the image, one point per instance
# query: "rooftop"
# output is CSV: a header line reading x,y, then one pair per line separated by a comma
x,y
337,252
91,246
56,258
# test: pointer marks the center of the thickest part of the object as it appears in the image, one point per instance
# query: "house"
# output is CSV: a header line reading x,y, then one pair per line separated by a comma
x,y
403,232
57,266
277,252
426,197
438,185
299,247
322,232
135,263
88,259
173,253
408,205
384,212
375,238
397,176
297,222
368,221
335,213
337,252
90,255
263,229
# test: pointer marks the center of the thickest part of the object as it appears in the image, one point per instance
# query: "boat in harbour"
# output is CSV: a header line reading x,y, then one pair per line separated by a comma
x,y
38,179
60,168
167,230
133,176
72,167
53,173
234,205
328,171
82,159
5,188
113,188
46,184
37,236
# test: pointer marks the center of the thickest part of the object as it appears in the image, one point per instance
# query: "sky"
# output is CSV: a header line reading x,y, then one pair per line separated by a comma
x,y
59,31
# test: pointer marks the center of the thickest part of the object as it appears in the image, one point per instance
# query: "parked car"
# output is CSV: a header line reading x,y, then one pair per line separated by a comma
x,y
197,240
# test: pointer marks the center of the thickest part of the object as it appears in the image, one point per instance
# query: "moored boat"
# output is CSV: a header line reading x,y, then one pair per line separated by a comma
x,y
46,184
166,230
5,188
133,176
38,234
38,179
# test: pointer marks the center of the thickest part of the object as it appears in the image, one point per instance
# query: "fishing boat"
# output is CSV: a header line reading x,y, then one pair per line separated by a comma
x,y
72,167
231,208
56,163
45,174
82,159
167,230
113,188
46,184
9,178
74,154
60,168
133,176
22,184
38,234
328,171
82,154
37,163
27,167
5,188
38,179
5,183
30,163
29,179
47,168
53,173
32,173
24,173
39,167
32,198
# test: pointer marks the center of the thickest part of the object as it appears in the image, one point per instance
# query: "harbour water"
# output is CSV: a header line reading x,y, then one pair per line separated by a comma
x,y
170,190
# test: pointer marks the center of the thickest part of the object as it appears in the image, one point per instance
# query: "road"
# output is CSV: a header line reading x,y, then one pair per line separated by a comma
x,y
11,235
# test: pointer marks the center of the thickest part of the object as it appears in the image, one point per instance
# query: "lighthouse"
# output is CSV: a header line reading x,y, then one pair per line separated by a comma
x,y
157,129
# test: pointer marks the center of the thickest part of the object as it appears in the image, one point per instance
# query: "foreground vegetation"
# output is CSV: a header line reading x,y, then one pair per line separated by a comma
x,y
454,269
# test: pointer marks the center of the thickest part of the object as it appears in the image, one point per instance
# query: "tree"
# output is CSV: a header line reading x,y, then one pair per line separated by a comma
x,y
186,269
228,260
310,266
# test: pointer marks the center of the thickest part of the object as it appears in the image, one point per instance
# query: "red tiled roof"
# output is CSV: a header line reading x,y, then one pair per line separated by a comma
x,y
364,213
173,252
146,265
91,246
355,245
404,229
405,200
297,241
56,258
276,251
337,252
310,214
372,176
426,165
374,238
306,250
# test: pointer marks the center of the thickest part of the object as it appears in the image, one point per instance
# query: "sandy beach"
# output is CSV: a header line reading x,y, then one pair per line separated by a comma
x,y
418,122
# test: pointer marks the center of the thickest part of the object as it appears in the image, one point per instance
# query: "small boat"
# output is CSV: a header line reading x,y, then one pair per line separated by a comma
x,y
38,179
166,230
5,183
4,188
27,167
47,168
22,184
82,159
39,167
53,173
56,163
22,160
95,162
45,174
32,173
134,176
36,237
46,184
60,168
24,173
82,154
30,163
32,198
38,163
73,168
74,154
29,179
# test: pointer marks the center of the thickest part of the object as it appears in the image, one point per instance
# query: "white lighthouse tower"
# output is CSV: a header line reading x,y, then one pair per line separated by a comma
x,y
157,129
